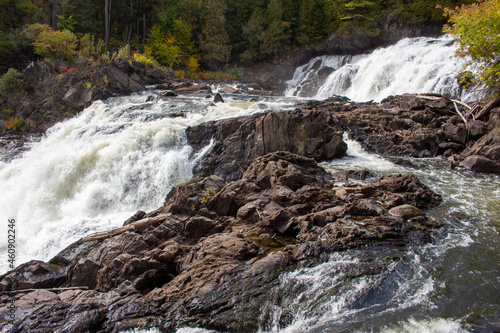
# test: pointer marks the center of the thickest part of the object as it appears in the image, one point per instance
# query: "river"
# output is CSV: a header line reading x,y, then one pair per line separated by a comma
x,y
121,155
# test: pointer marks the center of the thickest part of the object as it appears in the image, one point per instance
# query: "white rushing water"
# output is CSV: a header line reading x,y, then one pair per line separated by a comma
x,y
94,171
413,65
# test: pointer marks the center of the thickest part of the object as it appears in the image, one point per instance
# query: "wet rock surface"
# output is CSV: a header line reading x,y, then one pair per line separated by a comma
x,y
237,141
215,263
419,126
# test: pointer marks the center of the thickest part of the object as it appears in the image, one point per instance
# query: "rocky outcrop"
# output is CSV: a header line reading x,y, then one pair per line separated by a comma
x,y
418,126
216,262
237,141
54,92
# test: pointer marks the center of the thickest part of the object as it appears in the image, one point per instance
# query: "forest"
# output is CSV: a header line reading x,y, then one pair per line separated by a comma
x,y
190,34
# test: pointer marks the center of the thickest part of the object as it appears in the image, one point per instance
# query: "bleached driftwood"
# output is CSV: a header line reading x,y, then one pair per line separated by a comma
x,y
130,227
20,291
459,112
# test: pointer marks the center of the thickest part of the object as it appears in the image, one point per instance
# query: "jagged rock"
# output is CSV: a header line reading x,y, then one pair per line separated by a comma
x,y
78,97
35,73
488,146
218,98
479,163
478,129
240,140
316,79
36,297
124,80
455,133
216,262
33,275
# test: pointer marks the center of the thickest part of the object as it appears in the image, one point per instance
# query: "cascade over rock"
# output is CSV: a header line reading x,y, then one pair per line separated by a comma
x,y
215,262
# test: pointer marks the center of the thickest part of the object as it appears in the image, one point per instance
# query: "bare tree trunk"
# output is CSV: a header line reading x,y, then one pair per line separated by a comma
x,y
53,15
107,17
131,25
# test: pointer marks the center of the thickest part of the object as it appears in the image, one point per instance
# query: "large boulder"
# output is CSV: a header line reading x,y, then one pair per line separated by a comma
x,y
239,140
479,163
487,146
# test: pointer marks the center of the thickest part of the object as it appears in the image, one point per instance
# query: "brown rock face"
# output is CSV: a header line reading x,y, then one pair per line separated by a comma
x,y
239,140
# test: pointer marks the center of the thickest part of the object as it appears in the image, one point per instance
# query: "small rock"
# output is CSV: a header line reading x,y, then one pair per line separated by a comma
x,y
38,296
218,98
406,211
169,93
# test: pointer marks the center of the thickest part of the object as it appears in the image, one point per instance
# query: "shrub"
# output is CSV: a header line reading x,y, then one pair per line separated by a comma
x,y
14,123
10,81
163,47
146,58
56,45
6,110
237,72
180,74
193,64
123,52
90,48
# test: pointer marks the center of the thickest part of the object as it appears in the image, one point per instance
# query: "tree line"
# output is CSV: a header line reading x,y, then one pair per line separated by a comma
x,y
184,34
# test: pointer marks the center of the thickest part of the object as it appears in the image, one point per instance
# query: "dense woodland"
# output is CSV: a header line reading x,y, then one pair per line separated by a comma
x,y
187,34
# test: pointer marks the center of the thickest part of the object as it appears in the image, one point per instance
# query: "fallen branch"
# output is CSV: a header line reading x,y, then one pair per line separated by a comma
x,y
129,227
460,113
49,289
461,103
488,107
430,97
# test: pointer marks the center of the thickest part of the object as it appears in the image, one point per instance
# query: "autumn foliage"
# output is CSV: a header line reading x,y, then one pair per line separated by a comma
x,y
476,28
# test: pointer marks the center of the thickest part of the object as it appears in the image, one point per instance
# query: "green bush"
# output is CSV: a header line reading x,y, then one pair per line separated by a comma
x,y
237,72
56,45
90,48
10,81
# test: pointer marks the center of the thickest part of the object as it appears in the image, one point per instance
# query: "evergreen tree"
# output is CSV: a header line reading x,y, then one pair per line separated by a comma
x,y
274,38
252,32
214,42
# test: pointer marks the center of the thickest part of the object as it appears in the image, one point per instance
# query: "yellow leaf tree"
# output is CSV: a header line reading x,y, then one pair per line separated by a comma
x,y
476,28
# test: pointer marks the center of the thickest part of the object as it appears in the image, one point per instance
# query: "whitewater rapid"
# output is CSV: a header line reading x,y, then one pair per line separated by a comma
x,y
92,172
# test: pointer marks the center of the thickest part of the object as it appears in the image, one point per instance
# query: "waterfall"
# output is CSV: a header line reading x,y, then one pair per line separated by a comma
x,y
413,65
93,171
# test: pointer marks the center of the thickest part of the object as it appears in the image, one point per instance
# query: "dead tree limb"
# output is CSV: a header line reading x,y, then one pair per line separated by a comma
x,y
488,108
20,291
460,113
129,227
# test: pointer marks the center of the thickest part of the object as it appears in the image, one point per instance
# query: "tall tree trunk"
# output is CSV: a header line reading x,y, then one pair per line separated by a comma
x,y
53,15
107,17
131,25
